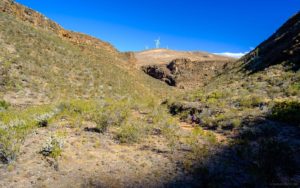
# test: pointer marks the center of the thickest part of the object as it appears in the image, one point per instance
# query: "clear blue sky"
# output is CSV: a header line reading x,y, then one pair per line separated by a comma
x,y
207,25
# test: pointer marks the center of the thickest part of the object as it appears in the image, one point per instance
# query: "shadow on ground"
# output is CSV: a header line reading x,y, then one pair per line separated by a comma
x,y
262,153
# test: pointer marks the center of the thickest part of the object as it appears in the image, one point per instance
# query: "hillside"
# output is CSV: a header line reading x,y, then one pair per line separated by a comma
x,y
58,88
41,62
76,112
255,104
38,20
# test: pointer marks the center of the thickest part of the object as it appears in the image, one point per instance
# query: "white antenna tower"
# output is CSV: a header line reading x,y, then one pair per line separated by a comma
x,y
157,42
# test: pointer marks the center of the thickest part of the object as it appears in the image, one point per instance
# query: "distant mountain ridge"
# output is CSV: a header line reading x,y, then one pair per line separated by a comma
x,y
165,56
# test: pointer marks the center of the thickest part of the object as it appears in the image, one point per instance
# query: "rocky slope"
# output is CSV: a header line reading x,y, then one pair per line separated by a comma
x,y
282,47
38,20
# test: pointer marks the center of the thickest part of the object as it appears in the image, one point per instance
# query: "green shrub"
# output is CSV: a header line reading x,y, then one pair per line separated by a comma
x,y
102,121
210,137
8,148
215,95
250,101
197,96
113,114
170,130
194,141
4,105
293,89
236,122
43,120
287,111
129,133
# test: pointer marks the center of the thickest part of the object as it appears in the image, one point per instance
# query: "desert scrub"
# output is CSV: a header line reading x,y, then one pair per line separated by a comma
x,y
287,111
194,141
236,122
157,115
197,96
80,107
11,136
210,137
43,119
170,130
77,111
216,95
293,89
250,101
130,132
199,148
198,133
112,113
53,147
228,120
15,125
160,122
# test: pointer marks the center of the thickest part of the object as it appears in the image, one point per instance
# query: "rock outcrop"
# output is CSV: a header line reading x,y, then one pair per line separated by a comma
x,y
185,73
160,73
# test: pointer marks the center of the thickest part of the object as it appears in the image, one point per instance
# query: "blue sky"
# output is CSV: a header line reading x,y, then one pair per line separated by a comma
x,y
211,25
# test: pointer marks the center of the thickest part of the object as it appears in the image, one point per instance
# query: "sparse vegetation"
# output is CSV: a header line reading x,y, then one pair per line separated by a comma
x,y
78,101
112,113
130,133
15,125
287,111
53,147
250,101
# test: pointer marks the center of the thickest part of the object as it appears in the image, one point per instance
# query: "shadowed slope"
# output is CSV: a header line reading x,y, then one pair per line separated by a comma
x,y
282,47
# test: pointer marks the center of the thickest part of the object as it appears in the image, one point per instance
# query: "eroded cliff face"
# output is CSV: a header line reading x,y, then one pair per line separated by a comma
x,y
38,20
